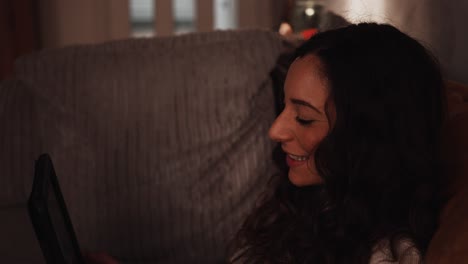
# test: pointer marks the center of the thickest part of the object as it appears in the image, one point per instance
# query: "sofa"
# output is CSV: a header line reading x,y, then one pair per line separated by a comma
x,y
160,145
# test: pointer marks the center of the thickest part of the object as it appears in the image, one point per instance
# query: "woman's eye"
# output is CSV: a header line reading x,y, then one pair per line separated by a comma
x,y
304,121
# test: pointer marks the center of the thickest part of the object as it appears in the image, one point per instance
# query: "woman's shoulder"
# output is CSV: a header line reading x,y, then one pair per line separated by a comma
x,y
405,253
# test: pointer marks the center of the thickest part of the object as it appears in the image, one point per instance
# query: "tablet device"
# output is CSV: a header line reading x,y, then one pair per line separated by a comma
x,y
50,218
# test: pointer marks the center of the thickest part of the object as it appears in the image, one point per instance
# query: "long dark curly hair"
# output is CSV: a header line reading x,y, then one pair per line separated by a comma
x,y
380,162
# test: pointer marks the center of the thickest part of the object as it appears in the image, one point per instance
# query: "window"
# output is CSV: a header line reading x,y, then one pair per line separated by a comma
x,y
184,16
183,19
225,14
142,17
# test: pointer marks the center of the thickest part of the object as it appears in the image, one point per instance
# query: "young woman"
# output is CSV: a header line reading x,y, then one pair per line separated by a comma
x,y
360,133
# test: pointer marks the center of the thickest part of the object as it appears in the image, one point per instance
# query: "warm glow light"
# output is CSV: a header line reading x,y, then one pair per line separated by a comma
x,y
285,29
309,11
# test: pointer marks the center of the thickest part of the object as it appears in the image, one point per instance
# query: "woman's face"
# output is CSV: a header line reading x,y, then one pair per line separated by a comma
x,y
303,124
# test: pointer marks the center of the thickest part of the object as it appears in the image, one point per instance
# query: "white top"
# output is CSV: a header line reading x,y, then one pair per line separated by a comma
x,y
406,253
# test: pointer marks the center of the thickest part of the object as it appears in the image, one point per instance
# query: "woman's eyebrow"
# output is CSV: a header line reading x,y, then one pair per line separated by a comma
x,y
304,103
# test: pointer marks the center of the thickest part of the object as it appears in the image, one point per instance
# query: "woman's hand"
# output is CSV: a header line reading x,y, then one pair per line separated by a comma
x,y
99,258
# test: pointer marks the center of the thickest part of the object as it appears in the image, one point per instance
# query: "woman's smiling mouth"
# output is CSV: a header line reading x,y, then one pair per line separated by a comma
x,y
298,158
295,160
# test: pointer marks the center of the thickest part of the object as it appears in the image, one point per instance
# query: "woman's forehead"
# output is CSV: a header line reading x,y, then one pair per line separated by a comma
x,y
305,79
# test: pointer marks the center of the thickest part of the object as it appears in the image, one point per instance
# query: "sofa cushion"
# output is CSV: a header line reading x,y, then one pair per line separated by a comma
x,y
19,142
160,145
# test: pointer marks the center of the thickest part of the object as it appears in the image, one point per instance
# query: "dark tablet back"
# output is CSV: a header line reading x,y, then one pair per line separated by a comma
x,y
50,217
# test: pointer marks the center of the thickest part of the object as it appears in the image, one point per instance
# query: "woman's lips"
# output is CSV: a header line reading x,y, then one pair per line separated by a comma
x,y
294,161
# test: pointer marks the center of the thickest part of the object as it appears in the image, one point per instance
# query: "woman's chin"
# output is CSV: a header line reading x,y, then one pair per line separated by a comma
x,y
304,179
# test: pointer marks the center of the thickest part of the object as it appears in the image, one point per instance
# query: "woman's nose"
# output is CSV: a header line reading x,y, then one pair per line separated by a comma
x,y
279,130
